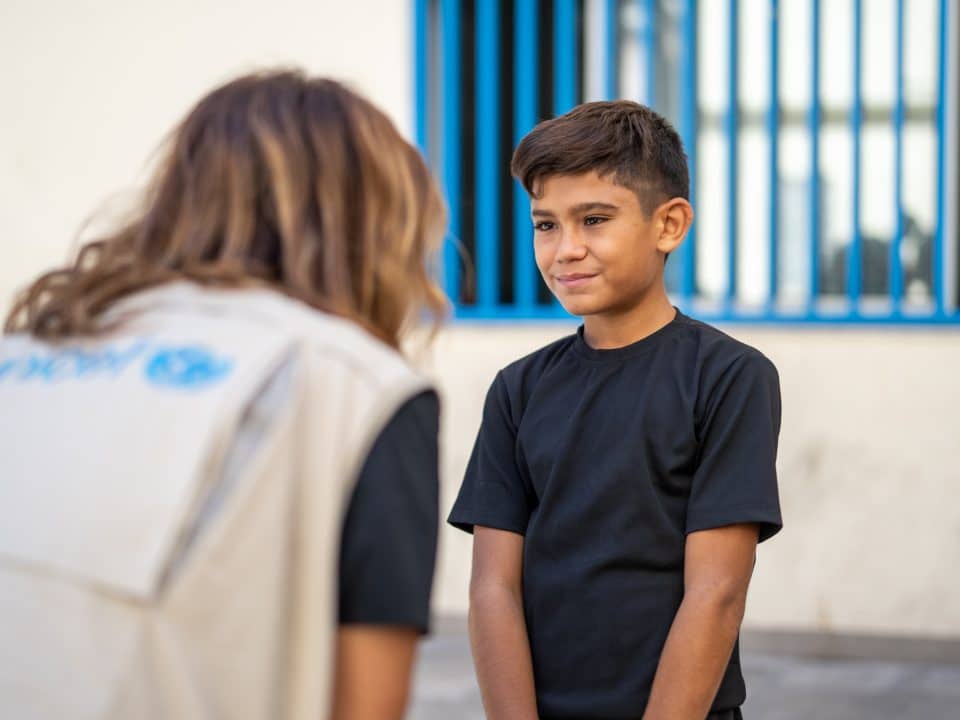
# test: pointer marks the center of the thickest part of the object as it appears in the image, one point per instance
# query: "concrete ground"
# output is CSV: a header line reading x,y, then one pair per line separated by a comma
x,y
780,687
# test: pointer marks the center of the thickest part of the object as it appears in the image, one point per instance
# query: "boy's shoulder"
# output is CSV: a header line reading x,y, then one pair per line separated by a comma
x,y
536,363
712,341
715,353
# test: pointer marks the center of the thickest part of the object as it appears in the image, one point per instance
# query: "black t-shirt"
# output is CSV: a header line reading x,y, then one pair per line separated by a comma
x,y
605,460
389,541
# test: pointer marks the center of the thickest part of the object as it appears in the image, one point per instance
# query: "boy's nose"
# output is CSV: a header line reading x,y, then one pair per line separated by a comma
x,y
571,248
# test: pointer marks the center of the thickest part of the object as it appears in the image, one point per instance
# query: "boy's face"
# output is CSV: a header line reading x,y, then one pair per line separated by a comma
x,y
596,249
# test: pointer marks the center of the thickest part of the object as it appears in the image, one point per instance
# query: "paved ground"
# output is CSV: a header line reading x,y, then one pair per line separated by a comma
x,y
780,687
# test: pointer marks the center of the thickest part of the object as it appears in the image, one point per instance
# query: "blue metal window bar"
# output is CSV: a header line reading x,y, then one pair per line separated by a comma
x,y
486,71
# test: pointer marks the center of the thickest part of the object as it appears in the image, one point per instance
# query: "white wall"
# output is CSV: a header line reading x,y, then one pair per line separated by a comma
x,y
90,87
869,473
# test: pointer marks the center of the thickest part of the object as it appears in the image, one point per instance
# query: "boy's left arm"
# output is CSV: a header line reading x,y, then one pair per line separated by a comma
x,y
717,570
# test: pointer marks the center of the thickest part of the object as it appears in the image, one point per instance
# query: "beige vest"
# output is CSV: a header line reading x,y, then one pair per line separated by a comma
x,y
171,499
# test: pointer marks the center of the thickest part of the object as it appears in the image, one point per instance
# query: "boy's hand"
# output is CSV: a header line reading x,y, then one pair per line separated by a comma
x,y
498,631
717,570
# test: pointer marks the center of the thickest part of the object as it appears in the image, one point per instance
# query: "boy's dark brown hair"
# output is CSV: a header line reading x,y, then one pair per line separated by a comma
x,y
633,145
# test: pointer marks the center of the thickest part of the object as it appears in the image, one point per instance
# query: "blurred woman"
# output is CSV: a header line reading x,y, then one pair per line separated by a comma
x,y
219,486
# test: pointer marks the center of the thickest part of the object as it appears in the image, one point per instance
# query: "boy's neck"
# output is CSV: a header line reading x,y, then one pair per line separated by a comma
x,y
615,330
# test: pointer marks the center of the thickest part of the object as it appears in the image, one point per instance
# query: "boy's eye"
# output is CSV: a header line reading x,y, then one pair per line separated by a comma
x,y
594,220
543,226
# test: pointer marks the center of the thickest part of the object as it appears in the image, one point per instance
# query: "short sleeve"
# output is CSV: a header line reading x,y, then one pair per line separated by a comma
x,y
494,493
736,479
389,541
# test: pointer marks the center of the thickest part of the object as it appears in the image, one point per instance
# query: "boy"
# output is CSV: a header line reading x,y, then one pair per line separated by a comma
x,y
623,476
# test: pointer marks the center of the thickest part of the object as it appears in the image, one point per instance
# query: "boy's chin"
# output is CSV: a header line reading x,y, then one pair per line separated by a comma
x,y
580,306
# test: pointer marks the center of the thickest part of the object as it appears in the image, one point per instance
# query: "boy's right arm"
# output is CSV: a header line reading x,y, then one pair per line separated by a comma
x,y
498,631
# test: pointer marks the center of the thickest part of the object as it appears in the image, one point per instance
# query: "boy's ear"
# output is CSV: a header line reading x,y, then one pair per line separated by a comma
x,y
674,218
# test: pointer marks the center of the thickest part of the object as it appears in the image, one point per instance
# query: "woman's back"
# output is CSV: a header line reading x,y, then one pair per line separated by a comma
x,y
209,443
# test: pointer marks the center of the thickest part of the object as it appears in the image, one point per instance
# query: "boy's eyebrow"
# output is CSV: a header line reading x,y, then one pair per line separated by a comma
x,y
578,209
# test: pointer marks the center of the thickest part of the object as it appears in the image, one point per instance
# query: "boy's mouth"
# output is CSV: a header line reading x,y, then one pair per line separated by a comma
x,y
574,280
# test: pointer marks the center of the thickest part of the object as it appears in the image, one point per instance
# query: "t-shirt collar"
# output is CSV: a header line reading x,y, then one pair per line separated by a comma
x,y
639,347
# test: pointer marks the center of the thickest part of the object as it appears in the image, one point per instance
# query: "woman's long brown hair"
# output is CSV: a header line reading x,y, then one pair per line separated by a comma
x,y
278,179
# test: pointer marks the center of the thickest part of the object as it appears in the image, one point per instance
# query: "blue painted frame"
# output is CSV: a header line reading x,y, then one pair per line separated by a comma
x,y
525,71
732,128
939,285
899,115
814,185
487,67
688,134
451,128
773,170
854,261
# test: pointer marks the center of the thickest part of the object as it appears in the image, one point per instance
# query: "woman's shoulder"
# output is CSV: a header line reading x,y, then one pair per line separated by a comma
x,y
333,339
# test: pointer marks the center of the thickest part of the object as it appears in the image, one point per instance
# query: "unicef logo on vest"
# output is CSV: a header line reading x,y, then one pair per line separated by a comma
x,y
186,367
164,366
